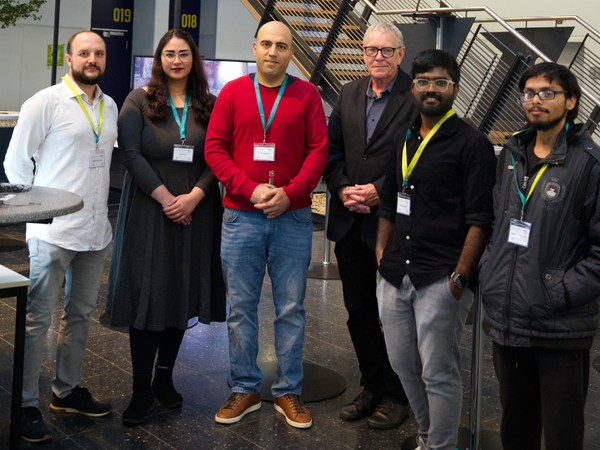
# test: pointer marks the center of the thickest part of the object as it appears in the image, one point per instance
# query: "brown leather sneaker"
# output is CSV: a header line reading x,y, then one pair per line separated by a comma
x,y
238,405
292,407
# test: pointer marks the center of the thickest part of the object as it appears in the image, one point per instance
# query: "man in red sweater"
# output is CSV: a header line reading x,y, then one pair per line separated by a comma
x,y
267,144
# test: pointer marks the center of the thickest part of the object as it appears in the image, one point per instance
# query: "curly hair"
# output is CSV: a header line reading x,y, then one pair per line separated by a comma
x,y
201,102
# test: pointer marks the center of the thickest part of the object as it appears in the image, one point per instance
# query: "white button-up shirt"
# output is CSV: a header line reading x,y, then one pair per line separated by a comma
x,y
53,129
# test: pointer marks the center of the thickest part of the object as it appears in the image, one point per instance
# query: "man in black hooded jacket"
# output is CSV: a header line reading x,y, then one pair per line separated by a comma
x,y
541,273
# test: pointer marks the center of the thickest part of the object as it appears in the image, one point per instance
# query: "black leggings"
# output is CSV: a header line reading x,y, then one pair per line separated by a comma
x,y
144,345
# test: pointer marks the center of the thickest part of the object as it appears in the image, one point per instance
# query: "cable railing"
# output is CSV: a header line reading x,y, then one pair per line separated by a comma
x,y
588,75
330,33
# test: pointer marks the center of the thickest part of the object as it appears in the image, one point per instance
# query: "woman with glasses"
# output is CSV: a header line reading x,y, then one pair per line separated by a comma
x,y
165,268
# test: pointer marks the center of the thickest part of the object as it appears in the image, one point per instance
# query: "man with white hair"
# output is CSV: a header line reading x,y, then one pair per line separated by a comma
x,y
367,113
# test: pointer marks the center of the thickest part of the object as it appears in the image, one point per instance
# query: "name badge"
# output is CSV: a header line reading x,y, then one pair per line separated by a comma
x,y
264,152
7,197
183,153
403,204
519,232
97,158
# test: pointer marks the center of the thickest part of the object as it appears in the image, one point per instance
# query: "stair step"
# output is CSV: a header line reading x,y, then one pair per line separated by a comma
x,y
350,73
306,11
297,22
315,40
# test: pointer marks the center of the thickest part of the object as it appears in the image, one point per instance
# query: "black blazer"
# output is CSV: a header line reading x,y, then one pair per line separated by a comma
x,y
351,161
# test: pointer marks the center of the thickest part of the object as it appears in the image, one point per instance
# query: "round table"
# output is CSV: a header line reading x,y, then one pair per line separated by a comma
x,y
40,204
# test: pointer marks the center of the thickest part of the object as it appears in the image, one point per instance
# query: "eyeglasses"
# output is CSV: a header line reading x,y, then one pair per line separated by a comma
x,y
543,95
184,56
386,52
439,85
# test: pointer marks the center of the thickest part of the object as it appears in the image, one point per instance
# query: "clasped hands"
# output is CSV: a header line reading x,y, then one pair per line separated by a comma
x,y
359,198
179,209
273,201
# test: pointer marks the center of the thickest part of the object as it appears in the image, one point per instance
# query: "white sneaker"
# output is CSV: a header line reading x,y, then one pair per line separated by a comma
x,y
421,445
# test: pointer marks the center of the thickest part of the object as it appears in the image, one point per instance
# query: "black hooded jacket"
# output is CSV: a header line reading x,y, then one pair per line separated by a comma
x,y
550,289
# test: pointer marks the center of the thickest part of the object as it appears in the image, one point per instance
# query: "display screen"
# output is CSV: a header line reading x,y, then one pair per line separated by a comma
x,y
218,72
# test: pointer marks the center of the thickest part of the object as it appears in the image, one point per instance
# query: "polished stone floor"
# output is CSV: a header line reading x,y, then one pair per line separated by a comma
x,y
201,376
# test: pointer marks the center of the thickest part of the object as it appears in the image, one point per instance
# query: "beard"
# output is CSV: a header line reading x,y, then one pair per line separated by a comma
x,y
545,125
444,105
79,75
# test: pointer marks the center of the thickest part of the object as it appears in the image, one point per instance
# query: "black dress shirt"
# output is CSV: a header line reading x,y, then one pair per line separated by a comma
x,y
450,190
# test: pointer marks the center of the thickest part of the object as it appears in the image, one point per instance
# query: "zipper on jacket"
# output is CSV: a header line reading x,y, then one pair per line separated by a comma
x,y
508,299
512,265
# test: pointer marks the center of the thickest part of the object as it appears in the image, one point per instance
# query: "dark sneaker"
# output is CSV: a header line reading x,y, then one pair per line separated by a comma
x,y
388,415
238,405
80,401
33,428
362,406
292,407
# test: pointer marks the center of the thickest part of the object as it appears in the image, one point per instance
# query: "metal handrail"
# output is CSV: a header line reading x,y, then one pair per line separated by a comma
x,y
546,18
496,18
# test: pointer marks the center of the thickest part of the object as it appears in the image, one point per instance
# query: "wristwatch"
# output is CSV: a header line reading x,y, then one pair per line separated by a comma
x,y
459,280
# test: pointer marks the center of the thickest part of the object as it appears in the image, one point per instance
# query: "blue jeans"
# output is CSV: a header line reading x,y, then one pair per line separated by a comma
x,y
251,242
422,330
49,265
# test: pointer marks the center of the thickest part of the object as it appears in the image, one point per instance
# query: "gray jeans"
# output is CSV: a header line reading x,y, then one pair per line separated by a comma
x,y
49,265
422,330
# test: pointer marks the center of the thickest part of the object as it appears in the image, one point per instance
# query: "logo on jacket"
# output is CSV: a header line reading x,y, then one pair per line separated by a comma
x,y
552,190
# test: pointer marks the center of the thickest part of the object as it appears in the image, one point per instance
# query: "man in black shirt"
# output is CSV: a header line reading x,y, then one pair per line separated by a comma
x,y
435,217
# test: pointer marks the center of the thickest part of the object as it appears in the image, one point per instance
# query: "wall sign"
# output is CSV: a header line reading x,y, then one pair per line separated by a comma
x,y
190,17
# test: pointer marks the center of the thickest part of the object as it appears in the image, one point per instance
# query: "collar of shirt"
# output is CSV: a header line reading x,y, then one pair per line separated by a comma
x,y
371,93
98,94
447,128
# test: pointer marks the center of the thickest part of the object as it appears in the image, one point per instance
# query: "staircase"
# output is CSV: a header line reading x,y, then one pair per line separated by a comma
x,y
328,34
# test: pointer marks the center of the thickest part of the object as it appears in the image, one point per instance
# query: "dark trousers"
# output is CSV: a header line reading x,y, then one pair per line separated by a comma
x,y
542,388
358,270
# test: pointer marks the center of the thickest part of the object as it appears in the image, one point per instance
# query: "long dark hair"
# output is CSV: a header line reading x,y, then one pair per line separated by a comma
x,y
201,102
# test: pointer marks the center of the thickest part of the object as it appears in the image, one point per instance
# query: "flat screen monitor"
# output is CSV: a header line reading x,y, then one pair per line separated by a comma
x,y
218,72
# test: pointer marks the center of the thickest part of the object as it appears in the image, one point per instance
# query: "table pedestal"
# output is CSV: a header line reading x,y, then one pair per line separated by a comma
x,y
14,285
325,270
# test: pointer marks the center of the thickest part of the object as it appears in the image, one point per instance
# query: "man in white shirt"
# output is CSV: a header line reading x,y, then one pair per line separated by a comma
x,y
69,130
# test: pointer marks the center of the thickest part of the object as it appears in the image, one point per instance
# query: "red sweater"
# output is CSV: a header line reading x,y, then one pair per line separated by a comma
x,y
298,130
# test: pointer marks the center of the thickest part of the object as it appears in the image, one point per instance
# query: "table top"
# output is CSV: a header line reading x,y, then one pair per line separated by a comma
x,y
10,279
40,203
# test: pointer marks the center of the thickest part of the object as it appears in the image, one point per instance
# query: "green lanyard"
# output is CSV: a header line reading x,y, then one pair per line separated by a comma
x,y
523,198
97,134
539,174
407,169
260,106
180,123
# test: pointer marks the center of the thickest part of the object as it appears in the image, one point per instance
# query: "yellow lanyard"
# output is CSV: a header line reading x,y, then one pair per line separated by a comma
x,y
97,134
407,169
521,195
